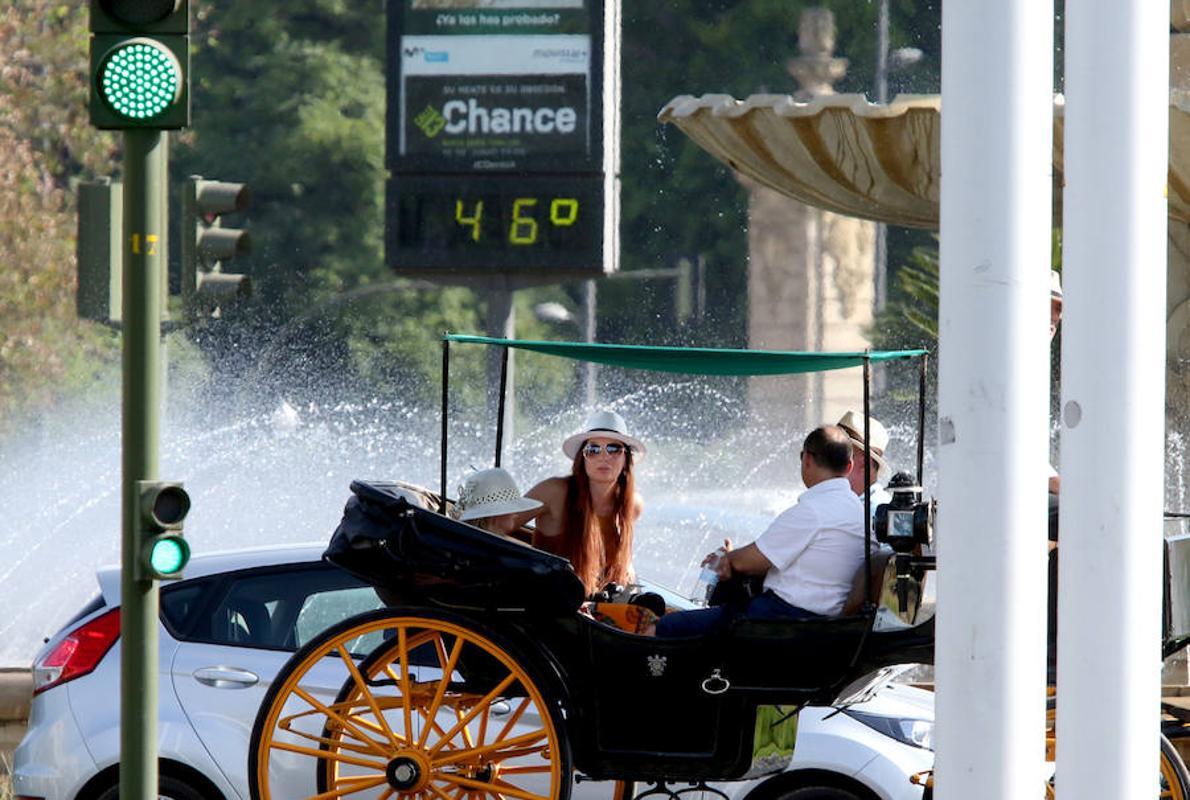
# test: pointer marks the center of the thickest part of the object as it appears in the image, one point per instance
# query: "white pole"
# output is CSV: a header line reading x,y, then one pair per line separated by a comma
x,y
997,107
1113,398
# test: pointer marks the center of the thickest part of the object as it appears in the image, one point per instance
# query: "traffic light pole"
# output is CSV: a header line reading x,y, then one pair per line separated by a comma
x,y
144,270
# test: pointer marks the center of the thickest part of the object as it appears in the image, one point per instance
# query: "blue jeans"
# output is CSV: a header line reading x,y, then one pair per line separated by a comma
x,y
716,618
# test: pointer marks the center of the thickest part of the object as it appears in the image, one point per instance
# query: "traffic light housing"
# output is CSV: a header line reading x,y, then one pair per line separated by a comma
x,y
99,251
140,64
162,551
207,245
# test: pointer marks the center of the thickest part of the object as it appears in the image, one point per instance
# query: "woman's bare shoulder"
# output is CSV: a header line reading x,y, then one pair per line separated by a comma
x,y
549,490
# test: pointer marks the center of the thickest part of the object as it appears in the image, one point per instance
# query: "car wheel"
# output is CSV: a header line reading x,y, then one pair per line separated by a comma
x,y
168,788
819,793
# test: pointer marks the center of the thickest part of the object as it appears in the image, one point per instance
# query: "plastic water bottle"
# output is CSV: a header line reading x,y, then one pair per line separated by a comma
x,y
708,578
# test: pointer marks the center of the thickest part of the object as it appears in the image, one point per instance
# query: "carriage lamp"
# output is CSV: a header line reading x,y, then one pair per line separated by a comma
x,y
905,524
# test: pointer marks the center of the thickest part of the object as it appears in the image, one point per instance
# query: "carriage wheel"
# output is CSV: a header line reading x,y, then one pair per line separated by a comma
x,y
1175,781
397,728
1174,777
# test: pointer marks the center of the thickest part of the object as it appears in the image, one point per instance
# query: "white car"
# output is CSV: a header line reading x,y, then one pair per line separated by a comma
x,y
227,629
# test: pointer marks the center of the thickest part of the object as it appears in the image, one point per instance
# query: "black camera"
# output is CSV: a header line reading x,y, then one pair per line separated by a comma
x,y
907,521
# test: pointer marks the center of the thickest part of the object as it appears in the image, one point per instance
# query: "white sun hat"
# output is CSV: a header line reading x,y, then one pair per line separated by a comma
x,y
853,424
490,493
1055,285
603,425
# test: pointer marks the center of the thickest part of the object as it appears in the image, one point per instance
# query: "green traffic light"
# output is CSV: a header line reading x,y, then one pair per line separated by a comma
x,y
140,79
169,555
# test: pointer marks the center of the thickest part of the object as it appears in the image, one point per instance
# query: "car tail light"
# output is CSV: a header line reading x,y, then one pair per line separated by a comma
x,y
78,653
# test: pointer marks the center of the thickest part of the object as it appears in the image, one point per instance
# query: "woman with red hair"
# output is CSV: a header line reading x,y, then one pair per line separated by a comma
x,y
589,515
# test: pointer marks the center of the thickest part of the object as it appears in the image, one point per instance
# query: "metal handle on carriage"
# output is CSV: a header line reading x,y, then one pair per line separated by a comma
x,y
716,684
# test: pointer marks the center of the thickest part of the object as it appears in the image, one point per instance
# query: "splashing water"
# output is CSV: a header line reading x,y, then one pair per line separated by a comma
x,y
281,475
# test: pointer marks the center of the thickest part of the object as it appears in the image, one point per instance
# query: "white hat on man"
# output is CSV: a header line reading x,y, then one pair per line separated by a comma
x,y
853,424
603,425
491,493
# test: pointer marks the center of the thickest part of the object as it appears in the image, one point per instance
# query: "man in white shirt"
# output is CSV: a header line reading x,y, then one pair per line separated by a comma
x,y
808,555
853,424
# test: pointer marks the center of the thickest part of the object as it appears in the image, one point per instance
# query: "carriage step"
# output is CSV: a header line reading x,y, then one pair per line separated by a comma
x,y
668,791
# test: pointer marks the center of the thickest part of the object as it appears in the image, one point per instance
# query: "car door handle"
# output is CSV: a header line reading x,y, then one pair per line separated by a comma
x,y
225,677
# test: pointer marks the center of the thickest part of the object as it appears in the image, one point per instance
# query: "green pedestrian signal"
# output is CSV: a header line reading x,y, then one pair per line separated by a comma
x,y
140,62
162,550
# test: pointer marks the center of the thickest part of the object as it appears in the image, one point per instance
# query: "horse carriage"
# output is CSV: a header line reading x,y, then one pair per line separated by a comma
x,y
482,678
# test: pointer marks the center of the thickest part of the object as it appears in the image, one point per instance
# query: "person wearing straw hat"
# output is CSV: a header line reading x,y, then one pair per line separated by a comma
x,y
489,499
853,424
589,515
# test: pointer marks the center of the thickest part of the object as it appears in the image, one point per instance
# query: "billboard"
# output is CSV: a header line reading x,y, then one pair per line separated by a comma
x,y
498,145
485,86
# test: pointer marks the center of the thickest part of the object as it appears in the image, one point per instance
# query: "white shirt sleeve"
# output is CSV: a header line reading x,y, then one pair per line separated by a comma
x,y
788,535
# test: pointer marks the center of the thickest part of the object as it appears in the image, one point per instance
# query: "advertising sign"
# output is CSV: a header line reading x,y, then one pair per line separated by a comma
x,y
496,86
502,157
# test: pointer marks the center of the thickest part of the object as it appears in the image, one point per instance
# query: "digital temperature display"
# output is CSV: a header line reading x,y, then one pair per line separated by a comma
x,y
496,222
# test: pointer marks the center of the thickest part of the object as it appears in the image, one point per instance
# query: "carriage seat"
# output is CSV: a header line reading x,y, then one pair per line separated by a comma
x,y
859,587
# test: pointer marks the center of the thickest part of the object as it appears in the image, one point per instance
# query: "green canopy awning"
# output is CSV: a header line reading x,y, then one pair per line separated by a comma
x,y
694,360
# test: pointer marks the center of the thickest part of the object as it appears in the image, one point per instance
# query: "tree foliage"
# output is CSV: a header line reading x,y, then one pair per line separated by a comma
x,y
289,97
45,351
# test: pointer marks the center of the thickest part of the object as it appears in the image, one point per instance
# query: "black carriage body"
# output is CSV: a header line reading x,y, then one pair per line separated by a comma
x,y
635,707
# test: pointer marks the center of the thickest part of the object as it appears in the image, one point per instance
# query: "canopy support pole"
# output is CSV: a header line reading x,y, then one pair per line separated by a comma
x,y
921,419
500,401
868,478
445,396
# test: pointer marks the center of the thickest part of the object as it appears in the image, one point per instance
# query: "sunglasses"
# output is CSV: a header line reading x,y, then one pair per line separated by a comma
x,y
612,449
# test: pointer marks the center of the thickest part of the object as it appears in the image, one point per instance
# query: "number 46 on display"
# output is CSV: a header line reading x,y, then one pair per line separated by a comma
x,y
523,227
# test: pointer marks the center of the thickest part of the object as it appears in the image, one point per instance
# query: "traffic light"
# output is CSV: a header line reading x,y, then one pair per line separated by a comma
x,y
206,245
140,64
99,251
162,550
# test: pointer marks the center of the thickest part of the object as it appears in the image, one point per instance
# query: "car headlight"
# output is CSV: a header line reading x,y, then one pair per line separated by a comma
x,y
913,732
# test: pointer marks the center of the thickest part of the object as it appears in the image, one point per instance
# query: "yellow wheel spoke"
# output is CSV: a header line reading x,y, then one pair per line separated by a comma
x,y
328,755
371,743
516,715
495,747
433,723
465,730
403,654
441,795
372,726
443,682
526,770
366,692
489,787
358,785
487,699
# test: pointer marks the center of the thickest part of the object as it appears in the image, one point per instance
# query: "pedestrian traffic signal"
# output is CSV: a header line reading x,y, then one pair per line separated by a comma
x,y
207,245
140,64
162,550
